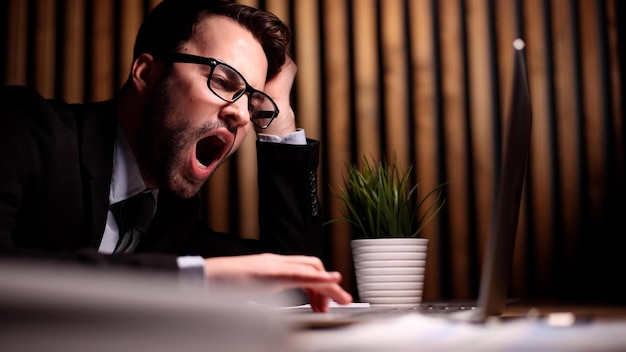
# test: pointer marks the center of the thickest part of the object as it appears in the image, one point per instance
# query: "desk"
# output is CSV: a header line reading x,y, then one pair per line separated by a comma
x,y
596,328
72,309
583,311
76,310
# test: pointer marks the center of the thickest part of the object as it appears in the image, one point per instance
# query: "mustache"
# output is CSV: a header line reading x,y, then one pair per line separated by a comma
x,y
213,125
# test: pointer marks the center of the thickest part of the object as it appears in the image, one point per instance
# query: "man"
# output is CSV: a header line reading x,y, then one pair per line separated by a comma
x,y
202,72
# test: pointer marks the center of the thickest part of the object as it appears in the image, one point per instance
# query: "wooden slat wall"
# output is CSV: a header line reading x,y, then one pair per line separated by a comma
x,y
427,82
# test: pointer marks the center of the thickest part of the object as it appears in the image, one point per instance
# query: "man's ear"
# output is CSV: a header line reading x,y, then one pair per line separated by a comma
x,y
143,72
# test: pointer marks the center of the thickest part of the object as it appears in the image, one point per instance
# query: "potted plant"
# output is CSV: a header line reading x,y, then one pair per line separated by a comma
x,y
387,216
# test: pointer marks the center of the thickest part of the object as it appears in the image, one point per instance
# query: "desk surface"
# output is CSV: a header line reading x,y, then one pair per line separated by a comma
x,y
595,311
535,326
43,308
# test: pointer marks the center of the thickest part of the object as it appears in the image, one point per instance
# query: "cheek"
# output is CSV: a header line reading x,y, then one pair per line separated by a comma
x,y
189,92
193,103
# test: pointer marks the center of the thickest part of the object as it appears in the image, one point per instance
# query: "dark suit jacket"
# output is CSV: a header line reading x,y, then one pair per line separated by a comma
x,y
55,173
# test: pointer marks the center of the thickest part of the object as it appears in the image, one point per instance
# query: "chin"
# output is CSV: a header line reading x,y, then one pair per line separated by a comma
x,y
185,188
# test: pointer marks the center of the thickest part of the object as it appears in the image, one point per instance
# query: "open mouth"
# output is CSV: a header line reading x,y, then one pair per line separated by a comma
x,y
210,149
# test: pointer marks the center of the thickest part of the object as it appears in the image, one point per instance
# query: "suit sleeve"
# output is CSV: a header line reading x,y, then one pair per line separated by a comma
x,y
290,216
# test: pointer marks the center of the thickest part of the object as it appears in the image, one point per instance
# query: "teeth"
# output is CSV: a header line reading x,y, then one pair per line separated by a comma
x,y
218,140
201,165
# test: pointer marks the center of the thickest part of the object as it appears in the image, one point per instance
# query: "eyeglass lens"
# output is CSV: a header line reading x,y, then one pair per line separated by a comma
x,y
229,85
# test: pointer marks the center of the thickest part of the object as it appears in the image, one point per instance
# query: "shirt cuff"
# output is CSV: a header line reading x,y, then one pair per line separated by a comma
x,y
191,266
298,138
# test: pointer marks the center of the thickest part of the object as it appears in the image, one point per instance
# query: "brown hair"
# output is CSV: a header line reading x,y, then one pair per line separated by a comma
x,y
173,22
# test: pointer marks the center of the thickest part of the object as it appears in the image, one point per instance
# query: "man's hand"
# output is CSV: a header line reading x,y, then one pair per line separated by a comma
x,y
280,272
279,88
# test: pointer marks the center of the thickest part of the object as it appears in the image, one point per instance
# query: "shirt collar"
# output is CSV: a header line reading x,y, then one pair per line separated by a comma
x,y
126,180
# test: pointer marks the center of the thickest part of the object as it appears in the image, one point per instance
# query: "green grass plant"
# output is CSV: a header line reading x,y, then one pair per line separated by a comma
x,y
380,201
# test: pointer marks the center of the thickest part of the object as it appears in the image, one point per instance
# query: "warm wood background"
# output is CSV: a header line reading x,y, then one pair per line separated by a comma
x,y
426,81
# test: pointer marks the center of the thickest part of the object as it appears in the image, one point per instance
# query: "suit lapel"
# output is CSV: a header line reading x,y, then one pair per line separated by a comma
x,y
98,136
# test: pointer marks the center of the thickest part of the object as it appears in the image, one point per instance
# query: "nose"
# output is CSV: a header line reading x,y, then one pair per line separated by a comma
x,y
236,113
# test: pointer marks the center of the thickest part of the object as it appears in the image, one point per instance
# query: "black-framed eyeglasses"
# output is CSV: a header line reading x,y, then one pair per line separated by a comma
x,y
229,85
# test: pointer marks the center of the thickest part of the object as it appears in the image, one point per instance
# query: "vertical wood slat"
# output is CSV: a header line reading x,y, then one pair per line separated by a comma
x,y
45,34
482,96
366,78
336,148
423,84
482,72
102,49
279,8
616,120
17,42
307,79
74,63
394,94
593,128
248,190
131,16
566,127
253,3
453,115
217,199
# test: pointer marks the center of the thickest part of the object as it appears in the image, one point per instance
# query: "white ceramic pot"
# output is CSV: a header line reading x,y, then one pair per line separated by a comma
x,y
390,271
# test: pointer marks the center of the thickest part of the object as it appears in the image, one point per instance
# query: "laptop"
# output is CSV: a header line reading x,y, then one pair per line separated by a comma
x,y
498,261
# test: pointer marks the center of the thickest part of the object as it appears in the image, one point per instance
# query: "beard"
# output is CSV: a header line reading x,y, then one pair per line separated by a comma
x,y
162,142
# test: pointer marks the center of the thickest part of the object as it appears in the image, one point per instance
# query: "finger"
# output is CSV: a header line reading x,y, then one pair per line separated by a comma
x,y
301,267
305,260
329,290
334,292
313,297
304,274
320,303
315,280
